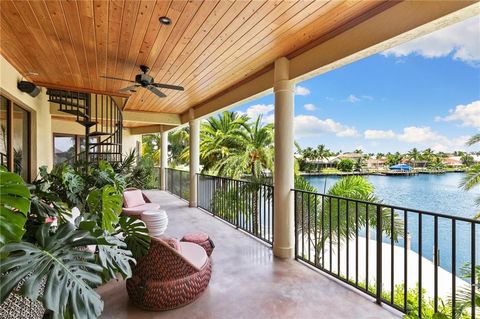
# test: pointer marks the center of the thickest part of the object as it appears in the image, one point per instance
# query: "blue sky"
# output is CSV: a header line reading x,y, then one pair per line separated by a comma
x,y
424,93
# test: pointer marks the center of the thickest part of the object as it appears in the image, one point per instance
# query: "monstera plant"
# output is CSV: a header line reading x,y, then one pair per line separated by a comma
x,y
54,262
14,206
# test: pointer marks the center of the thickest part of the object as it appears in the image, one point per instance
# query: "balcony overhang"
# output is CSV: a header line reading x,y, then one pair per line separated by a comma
x,y
222,53
346,45
132,118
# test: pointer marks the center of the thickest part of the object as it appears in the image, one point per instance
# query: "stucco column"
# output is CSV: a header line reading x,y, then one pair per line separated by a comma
x,y
194,157
283,227
163,160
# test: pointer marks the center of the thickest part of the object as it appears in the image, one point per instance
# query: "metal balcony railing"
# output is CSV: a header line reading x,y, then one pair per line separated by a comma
x,y
178,182
246,205
412,249
415,261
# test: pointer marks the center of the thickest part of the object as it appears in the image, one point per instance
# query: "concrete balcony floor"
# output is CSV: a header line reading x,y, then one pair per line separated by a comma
x,y
247,280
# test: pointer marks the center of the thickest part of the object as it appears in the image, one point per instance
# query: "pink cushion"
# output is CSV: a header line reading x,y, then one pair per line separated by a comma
x,y
194,253
138,210
196,237
133,198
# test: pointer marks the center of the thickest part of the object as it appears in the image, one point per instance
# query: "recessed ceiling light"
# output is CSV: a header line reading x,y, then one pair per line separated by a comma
x,y
32,73
165,20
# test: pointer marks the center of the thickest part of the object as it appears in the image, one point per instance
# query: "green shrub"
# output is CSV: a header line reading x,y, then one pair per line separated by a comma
x,y
345,165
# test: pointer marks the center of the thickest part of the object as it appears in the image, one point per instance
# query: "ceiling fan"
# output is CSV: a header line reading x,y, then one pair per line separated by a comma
x,y
146,81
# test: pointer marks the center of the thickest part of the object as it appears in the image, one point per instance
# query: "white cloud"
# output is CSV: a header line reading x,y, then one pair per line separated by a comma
x,y
448,144
309,125
352,98
367,97
269,119
378,134
310,107
468,114
461,40
347,132
258,109
428,138
415,134
301,90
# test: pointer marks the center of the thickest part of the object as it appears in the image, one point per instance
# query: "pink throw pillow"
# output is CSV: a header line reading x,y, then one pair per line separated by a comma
x,y
133,198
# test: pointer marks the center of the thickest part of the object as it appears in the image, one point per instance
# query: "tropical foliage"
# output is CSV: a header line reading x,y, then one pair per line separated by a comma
x,y
40,252
335,212
14,206
472,177
321,159
345,165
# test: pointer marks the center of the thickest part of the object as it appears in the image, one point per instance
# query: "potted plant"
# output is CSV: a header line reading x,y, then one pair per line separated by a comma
x,y
48,261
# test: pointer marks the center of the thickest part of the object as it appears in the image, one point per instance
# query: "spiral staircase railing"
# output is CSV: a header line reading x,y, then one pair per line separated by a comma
x,y
103,121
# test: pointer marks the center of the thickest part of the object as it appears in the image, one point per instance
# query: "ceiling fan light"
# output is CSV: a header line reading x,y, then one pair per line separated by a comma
x,y
165,20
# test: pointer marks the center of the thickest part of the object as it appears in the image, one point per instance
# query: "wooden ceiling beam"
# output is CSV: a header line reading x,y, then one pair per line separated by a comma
x,y
132,116
151,129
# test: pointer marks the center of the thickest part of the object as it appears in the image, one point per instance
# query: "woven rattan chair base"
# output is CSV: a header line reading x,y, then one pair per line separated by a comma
x,y
160,295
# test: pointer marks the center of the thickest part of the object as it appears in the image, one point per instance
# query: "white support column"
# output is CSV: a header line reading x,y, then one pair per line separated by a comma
x,y
163,160
283,227
194,157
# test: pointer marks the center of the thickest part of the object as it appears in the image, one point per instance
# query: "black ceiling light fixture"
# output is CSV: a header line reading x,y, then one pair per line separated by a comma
x,y
165,20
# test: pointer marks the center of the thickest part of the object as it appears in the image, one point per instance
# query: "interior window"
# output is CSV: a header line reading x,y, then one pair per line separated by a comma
x,y
65,148
3,131
20,140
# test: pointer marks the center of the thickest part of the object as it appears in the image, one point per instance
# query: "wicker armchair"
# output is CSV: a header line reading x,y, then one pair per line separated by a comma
x,y
167,278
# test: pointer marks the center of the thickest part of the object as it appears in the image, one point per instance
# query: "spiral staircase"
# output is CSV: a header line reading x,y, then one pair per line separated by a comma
x,y
102,118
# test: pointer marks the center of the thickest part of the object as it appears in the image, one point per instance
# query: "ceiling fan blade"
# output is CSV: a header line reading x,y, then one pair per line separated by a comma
x,y
114,78
128,89
155,91
168,86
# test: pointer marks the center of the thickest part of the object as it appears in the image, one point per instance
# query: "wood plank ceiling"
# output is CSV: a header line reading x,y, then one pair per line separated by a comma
x,y
209,47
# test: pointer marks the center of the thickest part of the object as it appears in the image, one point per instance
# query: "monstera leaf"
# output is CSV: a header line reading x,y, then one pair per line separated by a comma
x,y
114,258
14,206
106,203
69,273
135,235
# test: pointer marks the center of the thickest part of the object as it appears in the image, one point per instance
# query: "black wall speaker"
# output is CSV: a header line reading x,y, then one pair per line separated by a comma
x,y
28,87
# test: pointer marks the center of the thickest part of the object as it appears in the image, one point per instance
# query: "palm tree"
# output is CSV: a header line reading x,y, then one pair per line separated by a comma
x,y
151,147
178,141
474,139
321,152
466,159
220,136
472,177
253,157
428,155
333,224
414,155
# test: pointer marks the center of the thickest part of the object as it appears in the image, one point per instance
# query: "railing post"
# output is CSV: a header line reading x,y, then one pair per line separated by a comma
x,y
237,214
379,255
295,222
163,159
